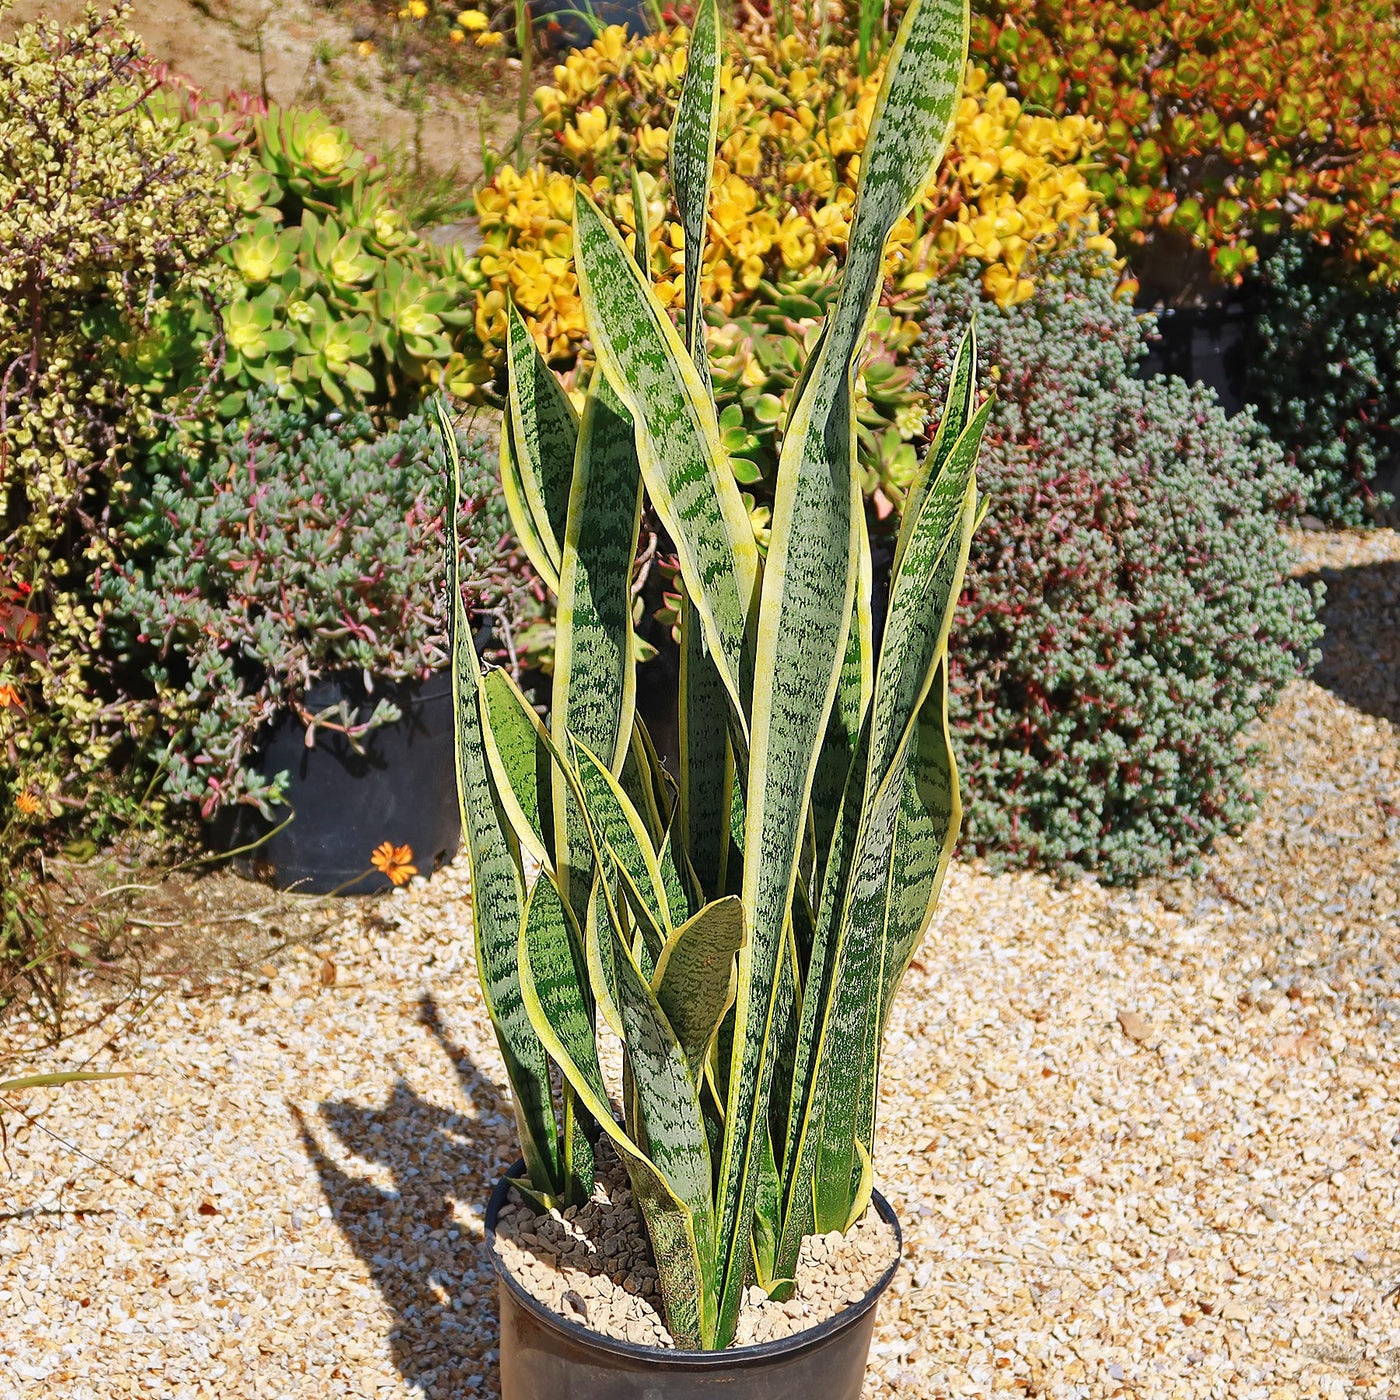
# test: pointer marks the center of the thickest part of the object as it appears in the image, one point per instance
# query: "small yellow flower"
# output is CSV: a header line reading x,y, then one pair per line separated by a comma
x,y
365,49
417,9
28,803
394,861
472,20
489,38
457,37
652,142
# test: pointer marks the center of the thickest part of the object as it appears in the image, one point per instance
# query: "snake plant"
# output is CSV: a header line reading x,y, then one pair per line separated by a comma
x,y
742,926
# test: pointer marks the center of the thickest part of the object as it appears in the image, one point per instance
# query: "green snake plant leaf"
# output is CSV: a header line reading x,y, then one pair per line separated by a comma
x,y
959,404
673,881
551,992
517,752
692,157
923,595
664,788
598,950
642,781
595,669
668,1102
767,1220
810,578
869,921
517,506
843,728
920,609
497,882
688,474
621,836
543,438
930,815
641,239
852,807
706,758
694,977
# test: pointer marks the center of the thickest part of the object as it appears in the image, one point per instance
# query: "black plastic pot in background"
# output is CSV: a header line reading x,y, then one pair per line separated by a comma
x,y
547,1357
402,788
573,24
1205,344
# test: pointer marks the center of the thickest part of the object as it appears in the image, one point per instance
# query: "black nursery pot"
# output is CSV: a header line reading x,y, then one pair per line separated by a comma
x,y
567,24
402,788
548,1357
1208,345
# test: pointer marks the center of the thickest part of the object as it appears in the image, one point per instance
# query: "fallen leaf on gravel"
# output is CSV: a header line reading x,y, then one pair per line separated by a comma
x,y
1135,1027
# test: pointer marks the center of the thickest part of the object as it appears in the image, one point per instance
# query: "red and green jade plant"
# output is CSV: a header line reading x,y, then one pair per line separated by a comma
x,y
742,929
1226,121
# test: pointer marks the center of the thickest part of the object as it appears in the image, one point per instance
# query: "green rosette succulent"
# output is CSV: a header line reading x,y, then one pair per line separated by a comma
x,y
309,154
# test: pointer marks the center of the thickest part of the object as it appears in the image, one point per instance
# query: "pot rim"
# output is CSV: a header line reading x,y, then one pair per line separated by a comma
x,y
690,1360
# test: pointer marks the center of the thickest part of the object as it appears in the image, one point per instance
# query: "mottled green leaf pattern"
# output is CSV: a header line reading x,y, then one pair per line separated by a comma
x,y
543,434
691,157
497,881
595,683
552,995
620,833
684,465
517,751
706,759
742,931
694,975
810,576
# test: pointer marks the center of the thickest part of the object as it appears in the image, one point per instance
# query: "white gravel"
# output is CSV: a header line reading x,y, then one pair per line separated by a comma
x,y
1142,1144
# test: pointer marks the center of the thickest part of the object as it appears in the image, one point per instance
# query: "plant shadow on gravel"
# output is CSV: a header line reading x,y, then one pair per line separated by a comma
x,y
1361,649
436,1157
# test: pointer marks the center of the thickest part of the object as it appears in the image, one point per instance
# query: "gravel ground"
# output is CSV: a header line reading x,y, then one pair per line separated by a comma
x,y
1144,1143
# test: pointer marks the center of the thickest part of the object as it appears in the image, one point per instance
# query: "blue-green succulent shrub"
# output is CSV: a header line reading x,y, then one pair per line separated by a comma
x,y
1128,610
270,552
1324,371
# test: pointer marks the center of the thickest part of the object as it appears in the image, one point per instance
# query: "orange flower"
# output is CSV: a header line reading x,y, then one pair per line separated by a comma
x,y
9,696
394,862
29,804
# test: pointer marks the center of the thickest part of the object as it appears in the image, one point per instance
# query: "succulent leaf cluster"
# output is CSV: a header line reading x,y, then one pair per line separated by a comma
x,y
1323,369
266,553
1129,609
793,118
339,301
1224,123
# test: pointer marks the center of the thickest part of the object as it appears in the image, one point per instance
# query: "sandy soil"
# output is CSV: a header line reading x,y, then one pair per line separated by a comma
x,y
298,52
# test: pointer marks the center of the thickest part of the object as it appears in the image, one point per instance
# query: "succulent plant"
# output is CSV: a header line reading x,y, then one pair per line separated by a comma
x,y
263,251
1128,611
308,154
1323,369
267,553
343,303
1225,124
741,930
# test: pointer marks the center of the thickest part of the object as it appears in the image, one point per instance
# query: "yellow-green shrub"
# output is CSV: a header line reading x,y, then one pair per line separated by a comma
x,y
791,123
111,210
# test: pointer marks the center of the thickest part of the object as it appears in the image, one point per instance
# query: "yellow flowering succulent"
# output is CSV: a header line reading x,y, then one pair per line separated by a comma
x,y
792,122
